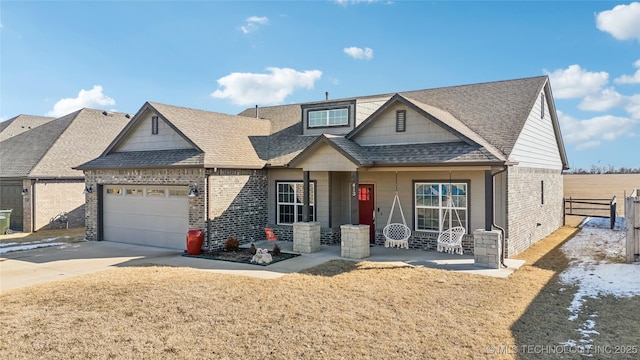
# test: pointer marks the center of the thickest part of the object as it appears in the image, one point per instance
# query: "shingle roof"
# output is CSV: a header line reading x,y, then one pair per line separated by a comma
x,y
150,159
19,154
217,133
219,140
20,124
490,114
496,111
88,134
52,149
451,153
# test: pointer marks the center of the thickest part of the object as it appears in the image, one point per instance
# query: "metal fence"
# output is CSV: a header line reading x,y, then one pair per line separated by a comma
x,y
632,218
603,208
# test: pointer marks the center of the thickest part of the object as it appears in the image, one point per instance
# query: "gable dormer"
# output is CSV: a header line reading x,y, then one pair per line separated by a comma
x,y
336,117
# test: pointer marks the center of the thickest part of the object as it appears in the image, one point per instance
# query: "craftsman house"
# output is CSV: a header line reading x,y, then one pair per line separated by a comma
x,y
494,149
37,182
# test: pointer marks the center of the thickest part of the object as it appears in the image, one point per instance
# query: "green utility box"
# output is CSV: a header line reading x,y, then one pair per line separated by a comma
x,y
5,221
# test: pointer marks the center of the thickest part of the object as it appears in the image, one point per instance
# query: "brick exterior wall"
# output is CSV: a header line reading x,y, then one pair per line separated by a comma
x,y
188,176
53,197
237,206
328,236
528,219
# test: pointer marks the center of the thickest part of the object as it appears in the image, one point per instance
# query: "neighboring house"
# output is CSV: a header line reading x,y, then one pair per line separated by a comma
x,y
495,148
20,124
37,181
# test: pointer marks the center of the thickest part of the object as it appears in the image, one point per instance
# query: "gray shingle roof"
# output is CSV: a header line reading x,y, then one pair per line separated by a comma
x,y
496,111
490,114
19,154
20,124
450,153
88,134
150,159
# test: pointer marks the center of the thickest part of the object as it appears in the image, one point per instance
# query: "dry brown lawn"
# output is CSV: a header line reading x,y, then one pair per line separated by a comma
x,y
338,310
61,235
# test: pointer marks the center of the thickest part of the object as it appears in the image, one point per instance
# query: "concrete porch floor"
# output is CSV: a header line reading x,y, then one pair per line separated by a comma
x,y
406,257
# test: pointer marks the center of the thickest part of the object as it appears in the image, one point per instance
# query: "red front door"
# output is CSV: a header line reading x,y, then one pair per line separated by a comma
x,y
367,210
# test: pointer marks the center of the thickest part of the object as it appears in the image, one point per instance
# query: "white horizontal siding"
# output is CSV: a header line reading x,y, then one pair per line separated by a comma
x,y
418,129
536,146
141,138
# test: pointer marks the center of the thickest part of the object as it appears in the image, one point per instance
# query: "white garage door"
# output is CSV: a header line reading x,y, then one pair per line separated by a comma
x,y
146,215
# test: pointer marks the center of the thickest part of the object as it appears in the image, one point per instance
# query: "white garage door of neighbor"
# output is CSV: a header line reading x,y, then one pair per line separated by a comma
x,y
146,215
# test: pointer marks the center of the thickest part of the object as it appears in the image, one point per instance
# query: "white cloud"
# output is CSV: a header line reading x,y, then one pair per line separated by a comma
x,y
604,100
86,98
630,79
359,53
633,106
621,21
575,82
264,89
591,132
253,22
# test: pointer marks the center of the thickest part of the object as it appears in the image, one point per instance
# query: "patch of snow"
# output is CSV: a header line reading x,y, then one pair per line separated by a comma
x,y
13,246
595,254
29,247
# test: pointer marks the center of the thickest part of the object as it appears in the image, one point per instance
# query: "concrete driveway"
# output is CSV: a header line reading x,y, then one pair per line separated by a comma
x,y
29,267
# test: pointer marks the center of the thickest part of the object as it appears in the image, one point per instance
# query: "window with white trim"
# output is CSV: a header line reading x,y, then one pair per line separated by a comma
x,y
332,117
433,210
290,200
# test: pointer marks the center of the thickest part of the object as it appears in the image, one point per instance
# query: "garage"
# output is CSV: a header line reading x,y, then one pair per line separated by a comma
x,y
146,215
11,199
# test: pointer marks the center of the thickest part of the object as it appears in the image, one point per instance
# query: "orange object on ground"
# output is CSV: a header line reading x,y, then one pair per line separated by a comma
x,y
271,236
195,238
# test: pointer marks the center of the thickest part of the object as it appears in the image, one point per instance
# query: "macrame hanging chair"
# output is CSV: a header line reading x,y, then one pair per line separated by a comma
x,y
396,234
450,240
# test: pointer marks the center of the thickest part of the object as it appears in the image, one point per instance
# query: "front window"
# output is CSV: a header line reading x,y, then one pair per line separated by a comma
x,y
333,117
440,206
290,201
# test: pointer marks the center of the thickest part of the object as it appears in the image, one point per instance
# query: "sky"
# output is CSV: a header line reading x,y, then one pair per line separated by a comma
x,y
59,56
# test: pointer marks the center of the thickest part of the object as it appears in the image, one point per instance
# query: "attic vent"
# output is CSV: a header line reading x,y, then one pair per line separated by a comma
x,y
127,116
541,106
401,120
104,113
154,125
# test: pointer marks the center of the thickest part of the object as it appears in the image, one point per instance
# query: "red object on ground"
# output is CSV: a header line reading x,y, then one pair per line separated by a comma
x,y
271,236
195,238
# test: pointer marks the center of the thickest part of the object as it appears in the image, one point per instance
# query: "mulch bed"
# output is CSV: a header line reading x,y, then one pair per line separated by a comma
x,y
241,256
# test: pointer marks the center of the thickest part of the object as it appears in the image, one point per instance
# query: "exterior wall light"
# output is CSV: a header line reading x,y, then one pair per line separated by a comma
x,y
193,191
88,190
25,191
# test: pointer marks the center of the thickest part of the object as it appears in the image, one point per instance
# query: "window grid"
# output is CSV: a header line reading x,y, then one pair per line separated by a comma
x,y
432,211
333,117
290,202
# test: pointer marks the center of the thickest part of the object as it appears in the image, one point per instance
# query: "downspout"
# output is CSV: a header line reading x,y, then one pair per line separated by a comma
x,y
33,205
206,207
493,215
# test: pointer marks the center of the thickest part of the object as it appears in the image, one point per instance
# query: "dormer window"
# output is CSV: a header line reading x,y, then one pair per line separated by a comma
x,y
333,117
